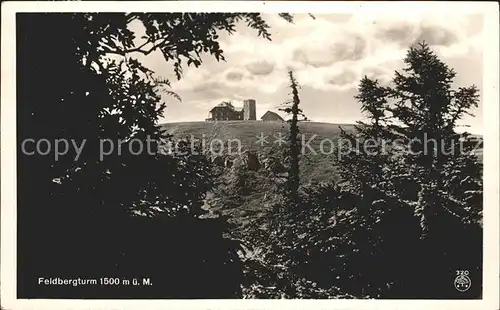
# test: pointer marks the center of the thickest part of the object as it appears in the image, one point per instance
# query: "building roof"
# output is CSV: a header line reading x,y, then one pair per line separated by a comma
x,y
223,104
271,115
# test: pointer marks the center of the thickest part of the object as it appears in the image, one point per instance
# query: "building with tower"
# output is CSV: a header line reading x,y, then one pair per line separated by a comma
x,y
225,111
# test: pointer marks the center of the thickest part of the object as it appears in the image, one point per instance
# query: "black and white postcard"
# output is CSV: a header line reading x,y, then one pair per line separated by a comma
x,y
249,155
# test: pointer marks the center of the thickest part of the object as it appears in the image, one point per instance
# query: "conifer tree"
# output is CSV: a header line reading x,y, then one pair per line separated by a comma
x,y
429,108
421,166
418,116
293,151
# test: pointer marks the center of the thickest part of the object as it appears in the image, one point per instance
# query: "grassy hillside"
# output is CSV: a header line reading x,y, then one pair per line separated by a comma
x,y
247,131
250,205
316,165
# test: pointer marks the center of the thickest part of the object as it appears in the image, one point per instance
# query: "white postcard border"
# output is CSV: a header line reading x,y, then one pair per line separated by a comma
x,y
491,150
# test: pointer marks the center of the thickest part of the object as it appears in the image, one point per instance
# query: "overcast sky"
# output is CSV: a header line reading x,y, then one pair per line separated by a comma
x,y
329,55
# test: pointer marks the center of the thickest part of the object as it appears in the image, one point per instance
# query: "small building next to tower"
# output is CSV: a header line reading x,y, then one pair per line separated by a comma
x,y
271,117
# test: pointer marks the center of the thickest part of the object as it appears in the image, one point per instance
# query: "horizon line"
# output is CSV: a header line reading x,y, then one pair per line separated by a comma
x,y
458,129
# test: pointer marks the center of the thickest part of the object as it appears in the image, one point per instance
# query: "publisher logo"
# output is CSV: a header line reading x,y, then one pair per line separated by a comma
x,y
462,281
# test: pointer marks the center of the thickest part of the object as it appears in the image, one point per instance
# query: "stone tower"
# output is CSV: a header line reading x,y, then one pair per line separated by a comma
x,y
249,112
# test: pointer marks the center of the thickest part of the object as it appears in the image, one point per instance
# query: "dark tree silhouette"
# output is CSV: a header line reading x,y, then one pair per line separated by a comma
x,y
294,148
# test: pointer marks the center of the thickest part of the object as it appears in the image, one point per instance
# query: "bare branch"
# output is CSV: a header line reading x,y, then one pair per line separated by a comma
x,y
139,49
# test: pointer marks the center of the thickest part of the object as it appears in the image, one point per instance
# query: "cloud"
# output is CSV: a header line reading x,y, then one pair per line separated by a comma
x,y
408,33
330,53
343,79
398,32
210,89
312,57
234,76
435,35
330,48
262,67
380,73
350,47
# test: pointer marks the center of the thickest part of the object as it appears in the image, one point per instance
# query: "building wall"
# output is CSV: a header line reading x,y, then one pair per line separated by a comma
x,y
249,111
239,115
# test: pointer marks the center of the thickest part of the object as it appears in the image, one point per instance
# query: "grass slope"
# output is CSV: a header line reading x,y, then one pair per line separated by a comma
x,y
248,131
316,164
